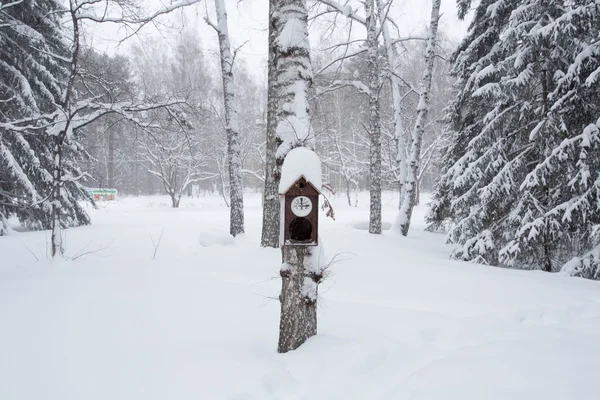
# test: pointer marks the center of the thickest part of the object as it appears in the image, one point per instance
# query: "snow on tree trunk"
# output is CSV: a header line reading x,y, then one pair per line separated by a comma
x,y
110,162
236,211
348,183
391,55
300,271
417,192
270,223
3,225
56,245
422,109
62,132
374,121
298,297
175,199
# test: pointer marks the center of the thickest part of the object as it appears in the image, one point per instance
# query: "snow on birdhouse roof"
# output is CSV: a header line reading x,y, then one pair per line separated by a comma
x,y
300,162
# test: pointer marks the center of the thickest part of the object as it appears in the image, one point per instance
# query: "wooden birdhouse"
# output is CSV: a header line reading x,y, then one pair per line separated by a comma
x,y
300,210
299,198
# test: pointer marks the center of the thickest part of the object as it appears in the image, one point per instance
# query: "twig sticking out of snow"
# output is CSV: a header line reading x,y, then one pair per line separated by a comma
x,y
83,253
157,244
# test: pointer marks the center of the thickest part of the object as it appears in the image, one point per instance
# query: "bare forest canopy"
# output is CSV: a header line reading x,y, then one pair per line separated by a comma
x,y
188,70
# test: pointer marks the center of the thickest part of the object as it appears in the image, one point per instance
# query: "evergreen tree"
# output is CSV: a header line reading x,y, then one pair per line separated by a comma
x,y
518,185
456,196
557,219
33,70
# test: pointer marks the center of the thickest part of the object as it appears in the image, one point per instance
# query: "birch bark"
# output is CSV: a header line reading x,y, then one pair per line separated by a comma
x,y
236,209
414,160
270,222
298,320
374,122
391,56
300,271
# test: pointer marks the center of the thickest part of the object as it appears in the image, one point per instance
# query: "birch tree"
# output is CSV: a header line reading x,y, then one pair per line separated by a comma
x,y
374,12
236,209
414,159
392,56
291,60
270,222
372,88
374,119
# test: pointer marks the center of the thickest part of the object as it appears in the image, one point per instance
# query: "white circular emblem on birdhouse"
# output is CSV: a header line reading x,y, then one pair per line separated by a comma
x,y
301,206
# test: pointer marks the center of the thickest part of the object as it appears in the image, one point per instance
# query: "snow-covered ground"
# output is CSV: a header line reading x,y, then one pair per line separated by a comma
x,y
397,319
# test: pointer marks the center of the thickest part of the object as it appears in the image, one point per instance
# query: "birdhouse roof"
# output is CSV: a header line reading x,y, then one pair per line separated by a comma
x,y
300,163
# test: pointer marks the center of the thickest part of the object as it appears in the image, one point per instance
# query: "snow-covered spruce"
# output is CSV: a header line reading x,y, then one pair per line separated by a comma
x,y
33,70
520,181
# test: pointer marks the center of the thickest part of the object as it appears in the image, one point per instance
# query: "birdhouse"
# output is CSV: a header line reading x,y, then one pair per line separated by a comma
x,y
300,210
299,198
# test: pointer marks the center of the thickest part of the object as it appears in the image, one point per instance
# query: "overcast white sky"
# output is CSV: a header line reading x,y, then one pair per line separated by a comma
x,y
248,22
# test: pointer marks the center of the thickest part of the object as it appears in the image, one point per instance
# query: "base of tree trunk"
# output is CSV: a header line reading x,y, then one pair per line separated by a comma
x,y
298,297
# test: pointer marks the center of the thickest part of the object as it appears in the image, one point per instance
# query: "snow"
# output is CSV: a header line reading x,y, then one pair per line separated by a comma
x,y
17,171
397,319
309,289
293,34
294,130
300,162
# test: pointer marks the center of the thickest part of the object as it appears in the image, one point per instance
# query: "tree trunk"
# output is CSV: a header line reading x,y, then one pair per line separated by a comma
x,y
223,189
300,272
270,222
56,244
4,227
546,196
422,109
175,200
298,298
110,168
374,122
348,192
236,211
396,99
418,193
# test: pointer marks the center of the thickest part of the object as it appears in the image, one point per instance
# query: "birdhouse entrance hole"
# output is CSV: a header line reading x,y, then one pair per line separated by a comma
x,y
300,229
